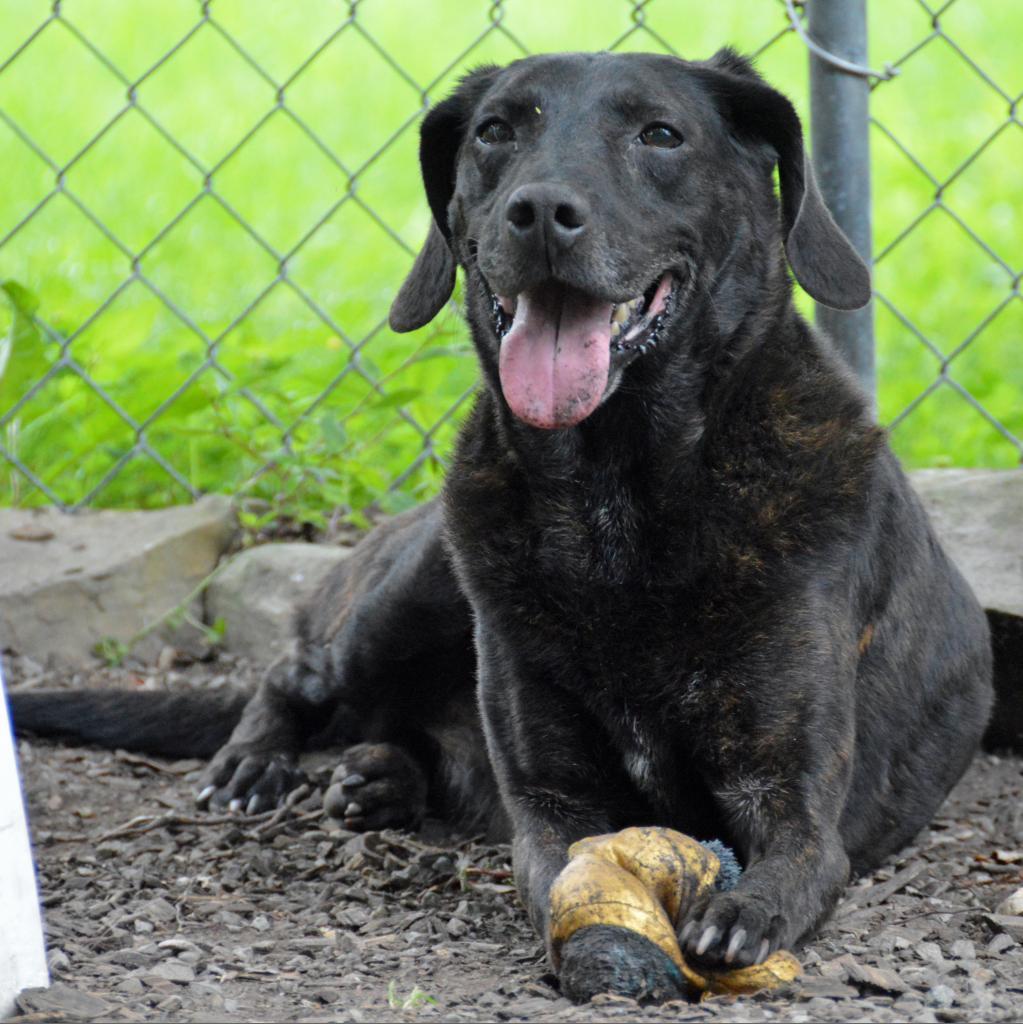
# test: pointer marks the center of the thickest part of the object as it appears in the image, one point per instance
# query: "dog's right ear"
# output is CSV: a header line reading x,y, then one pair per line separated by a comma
x,y
432,278
428,286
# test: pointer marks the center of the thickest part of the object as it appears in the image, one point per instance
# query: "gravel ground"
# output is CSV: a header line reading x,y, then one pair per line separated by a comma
x,y
157,912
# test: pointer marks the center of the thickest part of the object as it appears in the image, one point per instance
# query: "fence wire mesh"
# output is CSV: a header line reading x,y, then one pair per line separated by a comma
x,y
208,206
966,201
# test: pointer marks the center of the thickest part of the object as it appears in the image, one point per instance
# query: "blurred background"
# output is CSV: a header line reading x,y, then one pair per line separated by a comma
x,y
206,208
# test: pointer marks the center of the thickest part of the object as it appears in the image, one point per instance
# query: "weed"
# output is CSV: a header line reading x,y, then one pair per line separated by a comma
x,y
417,997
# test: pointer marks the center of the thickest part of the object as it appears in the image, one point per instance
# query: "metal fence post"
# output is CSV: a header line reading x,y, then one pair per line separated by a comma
x,y
839,114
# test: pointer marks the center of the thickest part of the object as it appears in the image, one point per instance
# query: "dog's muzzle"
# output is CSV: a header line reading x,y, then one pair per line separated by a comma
x,y
557,344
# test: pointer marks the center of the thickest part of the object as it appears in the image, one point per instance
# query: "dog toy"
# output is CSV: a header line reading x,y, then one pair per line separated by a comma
x,y
615,908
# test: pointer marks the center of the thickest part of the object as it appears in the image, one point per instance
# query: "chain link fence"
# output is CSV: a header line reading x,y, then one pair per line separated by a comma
x,y
208,207
966,325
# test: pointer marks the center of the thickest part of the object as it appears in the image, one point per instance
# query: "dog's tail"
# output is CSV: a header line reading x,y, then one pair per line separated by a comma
x,y
1005,729
183,724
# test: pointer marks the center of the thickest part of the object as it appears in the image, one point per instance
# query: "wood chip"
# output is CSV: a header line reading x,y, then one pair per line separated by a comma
x,y
880,978
872,895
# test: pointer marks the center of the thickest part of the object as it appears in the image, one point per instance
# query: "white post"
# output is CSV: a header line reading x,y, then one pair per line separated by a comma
x,y
22,952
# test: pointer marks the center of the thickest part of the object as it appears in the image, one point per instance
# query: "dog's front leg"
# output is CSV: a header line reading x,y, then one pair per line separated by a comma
x,y
560,785
258,766
780,775
545,754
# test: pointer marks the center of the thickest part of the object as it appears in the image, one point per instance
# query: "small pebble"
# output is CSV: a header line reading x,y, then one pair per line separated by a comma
x,y
1012,905
963,949
57,960
940,995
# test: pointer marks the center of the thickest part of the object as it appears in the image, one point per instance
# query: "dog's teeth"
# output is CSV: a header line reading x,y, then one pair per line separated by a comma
x,y
616,329
621,313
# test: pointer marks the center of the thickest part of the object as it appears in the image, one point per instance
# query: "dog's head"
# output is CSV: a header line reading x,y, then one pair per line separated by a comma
x,y
589,197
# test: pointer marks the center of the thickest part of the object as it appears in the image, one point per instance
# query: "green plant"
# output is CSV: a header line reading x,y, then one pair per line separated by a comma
x,y
114,651
417,997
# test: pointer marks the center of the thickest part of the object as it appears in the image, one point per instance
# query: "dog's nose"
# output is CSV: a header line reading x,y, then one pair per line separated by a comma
x,y
547,212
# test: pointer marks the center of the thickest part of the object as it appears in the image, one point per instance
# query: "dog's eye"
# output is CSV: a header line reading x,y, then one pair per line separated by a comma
x,y
660,136
495,132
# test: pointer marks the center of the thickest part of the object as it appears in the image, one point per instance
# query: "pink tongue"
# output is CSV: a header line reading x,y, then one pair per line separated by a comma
x,y
555,358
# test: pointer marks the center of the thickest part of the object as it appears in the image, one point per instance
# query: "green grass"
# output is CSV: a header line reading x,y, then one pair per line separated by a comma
x,y
245,362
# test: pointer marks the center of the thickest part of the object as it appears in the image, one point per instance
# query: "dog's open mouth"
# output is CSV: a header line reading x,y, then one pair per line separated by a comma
x,y
557,343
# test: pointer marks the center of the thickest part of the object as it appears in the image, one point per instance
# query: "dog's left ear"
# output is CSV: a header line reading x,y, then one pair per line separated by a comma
x,y
432,278
822,258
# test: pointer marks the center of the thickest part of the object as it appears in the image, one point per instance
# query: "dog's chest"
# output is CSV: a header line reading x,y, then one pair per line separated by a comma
x,y
602,541
603,580
596,586
641,759
654,752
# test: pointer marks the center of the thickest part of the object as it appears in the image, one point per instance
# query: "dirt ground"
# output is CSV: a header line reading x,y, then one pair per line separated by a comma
x,y
157,912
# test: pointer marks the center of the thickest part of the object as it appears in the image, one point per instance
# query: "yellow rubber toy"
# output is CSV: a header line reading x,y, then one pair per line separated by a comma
x,y
642,879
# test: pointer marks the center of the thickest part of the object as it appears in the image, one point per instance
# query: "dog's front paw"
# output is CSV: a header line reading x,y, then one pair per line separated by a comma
x,y
732,930
377,785
242,777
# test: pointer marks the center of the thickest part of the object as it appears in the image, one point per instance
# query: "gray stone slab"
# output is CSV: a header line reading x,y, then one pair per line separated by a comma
x,y
978,514
256,595
68,581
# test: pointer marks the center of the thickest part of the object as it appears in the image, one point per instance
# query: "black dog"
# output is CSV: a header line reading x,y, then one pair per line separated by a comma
x,y
694,583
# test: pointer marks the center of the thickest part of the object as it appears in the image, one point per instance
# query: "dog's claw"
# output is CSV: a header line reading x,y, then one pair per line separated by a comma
x,y
738,938
235,805
765,948
253,805
709,936
686,932
204,794
376,785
